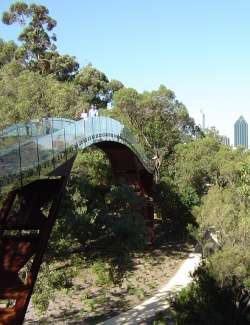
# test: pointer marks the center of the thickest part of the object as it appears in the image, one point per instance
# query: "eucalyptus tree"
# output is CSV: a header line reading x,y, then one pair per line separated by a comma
x,y
96,87
38,49
159,119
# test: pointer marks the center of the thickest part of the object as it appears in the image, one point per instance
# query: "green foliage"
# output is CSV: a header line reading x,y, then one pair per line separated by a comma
x,y
165,121
7,52
96,87
160,322
231,263
200,164
25,95
194,165
35,36
115,85
49,280
226,211
63,67
38,50
174,213
99,215
204,302
101,270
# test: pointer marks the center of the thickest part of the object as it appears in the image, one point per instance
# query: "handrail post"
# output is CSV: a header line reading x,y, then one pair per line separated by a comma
x,y
84,131
20,158
65,145
75,135
99,125
38,158
53,153
92,126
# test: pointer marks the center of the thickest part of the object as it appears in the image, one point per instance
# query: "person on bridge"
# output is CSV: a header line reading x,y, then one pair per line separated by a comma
x,y
93,111
84,115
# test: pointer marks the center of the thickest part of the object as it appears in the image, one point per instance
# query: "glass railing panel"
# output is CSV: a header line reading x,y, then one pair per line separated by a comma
x,y
109,129
33,129
8,139
70,138
95,127
99,127
57,124
80,132
88,130
106,128
29,157
103,125
59,147
67,123
45,154
118,130
23,130
113,128
10,165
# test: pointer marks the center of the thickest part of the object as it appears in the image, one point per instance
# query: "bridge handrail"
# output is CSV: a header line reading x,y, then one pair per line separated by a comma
x,y
35,149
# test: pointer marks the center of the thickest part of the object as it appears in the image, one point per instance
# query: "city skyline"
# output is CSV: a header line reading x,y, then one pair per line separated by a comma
x,y
225,137
230,124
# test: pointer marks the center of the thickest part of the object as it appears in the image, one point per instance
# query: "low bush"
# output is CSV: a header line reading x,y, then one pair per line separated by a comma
x,y
204,302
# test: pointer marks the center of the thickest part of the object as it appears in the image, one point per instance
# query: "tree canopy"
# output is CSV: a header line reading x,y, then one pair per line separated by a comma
x,y
158,118
96,87
38,49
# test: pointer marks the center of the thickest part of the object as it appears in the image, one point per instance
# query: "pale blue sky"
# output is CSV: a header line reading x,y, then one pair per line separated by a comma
x,y
198,48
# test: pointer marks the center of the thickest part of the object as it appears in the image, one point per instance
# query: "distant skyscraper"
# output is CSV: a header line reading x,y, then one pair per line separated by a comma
x,y
241,133
225,140
203,120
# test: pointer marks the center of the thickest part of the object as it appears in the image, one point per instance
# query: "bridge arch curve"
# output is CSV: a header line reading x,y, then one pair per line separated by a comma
x,y
36,159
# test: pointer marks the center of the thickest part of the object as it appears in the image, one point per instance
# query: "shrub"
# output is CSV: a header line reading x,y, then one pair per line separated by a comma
x,y
204,302
101,270
50,279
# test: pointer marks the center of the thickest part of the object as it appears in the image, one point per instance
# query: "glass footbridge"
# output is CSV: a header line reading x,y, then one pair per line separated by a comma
x,y
33,150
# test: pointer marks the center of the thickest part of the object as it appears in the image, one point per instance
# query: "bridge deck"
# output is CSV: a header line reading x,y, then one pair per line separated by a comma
x,y
36,149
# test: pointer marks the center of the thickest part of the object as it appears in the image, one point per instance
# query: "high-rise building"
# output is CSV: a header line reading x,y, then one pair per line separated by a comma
x,y
225,140
241,133
203,120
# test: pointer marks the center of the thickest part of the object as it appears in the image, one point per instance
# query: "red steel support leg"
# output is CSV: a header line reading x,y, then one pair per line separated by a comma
x,y
25,233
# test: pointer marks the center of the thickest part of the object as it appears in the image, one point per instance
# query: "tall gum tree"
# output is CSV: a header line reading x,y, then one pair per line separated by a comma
x,y
38,49
96,87
158,118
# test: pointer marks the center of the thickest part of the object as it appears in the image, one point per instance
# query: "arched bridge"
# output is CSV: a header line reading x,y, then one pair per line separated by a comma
x,y
35,162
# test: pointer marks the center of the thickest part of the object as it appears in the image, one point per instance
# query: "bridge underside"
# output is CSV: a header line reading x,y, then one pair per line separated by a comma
x,y
28,215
